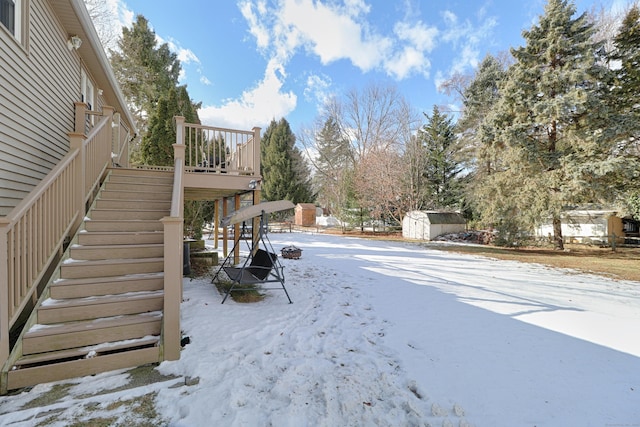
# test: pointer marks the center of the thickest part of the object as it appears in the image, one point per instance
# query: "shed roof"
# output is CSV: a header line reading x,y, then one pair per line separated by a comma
x,y
435,217
306,206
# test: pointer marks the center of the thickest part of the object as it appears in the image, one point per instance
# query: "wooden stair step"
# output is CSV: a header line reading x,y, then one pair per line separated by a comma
x,y
141,178
62,336
141,172
103,203
70,310
123,225
98,252
86,287
28,376
138,186
132,214
135,195
71,269
86,238
81,352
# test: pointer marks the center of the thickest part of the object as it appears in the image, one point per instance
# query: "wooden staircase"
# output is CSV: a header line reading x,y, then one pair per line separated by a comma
x,y
103,311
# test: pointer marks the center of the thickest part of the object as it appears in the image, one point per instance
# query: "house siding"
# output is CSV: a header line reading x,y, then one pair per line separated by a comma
x,y
40,83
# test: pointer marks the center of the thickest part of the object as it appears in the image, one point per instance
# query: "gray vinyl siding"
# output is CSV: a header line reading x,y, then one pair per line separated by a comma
x,y
39,85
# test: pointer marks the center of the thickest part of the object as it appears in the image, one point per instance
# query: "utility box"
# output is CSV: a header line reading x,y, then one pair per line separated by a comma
x,y
305,214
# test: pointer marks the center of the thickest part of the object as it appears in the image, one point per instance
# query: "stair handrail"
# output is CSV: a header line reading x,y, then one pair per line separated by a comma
x,y
173,253
33,234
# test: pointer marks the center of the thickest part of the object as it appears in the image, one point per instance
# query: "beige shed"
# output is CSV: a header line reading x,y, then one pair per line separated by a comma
x,y
426,225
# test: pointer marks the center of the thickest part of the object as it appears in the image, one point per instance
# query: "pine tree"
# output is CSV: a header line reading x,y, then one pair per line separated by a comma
x,y
285,175
627,76
332,166
437,139
476,133
144,70
551,122
624,100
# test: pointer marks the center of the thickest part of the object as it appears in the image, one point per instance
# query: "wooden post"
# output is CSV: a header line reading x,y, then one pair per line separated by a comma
x,y
80,125
256,221
216,222
76,141
225,231
179,130
172,287
236,231
4,291
256,151
116,138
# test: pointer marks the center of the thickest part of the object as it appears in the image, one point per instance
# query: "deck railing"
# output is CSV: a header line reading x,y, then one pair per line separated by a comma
x,y
120,143
219,150
33,234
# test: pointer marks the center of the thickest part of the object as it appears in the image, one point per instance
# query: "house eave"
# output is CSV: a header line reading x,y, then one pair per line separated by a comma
x,y
75,19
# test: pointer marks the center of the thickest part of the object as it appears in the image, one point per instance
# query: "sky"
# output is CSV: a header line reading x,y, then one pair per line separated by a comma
x,y
384,334
252,61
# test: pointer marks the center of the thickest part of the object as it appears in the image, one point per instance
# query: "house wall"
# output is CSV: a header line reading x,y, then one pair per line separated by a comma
x,y
39,81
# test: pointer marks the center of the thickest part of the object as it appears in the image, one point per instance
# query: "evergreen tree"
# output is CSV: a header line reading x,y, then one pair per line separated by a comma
x,y
285,175
157,144
551,122
157,149
627,77
144,70
476,134
332,166
624,100
437,139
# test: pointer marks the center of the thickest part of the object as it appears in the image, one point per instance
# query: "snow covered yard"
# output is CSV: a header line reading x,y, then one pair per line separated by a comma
x,y
393,334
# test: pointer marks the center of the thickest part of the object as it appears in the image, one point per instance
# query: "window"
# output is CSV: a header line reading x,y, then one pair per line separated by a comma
x,y
87,90
11,16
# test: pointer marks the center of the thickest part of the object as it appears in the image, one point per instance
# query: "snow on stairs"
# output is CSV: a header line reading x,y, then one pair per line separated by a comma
x,y
105,310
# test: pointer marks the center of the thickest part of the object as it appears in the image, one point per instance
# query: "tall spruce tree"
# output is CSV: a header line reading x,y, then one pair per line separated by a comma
x,y
555,144
437,139
475,130
285,175
626,87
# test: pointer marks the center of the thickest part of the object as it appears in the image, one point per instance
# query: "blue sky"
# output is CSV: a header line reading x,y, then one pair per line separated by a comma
x,y
250,61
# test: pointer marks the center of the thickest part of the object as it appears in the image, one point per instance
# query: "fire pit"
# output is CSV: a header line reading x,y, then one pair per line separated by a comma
x,y
291,252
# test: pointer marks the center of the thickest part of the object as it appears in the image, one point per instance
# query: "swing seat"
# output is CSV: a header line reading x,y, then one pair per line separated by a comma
x,y
256,272
262,269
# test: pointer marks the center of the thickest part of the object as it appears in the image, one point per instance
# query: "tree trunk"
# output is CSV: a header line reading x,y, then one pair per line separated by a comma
x,y
558,242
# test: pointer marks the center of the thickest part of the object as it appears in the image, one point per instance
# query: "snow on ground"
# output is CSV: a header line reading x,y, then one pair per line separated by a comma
x,y
395,334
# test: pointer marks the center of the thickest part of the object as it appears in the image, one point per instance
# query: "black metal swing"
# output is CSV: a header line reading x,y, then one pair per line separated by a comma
x,y
261,265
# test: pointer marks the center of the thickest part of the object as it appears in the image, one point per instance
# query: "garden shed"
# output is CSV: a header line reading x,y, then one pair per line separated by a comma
x,y
588,226
305,214
427,225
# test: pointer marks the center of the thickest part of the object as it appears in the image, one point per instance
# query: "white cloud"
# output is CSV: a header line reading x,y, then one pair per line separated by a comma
x,y
256,27
259,105
421,36
467,40
205,81
334,31
348,37
318,89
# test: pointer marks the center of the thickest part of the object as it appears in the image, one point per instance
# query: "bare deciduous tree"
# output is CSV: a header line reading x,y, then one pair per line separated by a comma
x,y
104,15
